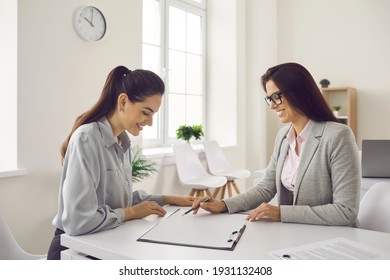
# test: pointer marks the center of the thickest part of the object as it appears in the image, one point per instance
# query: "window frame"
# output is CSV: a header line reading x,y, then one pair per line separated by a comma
x,y
163,139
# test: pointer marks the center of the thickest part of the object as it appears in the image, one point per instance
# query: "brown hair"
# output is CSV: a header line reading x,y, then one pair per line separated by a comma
x,y
300,89
138,85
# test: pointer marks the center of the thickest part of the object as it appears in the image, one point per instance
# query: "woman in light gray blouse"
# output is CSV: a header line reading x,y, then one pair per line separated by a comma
x,y
314,170
96,191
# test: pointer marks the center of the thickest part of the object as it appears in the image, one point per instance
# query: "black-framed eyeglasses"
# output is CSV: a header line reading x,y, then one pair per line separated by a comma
x,y
276,98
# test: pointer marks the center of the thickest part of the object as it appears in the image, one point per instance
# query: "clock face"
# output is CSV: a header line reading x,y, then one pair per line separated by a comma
x,y
90,23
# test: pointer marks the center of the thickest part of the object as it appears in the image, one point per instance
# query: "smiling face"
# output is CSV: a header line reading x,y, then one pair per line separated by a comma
x,y
285,112
134,116
140,114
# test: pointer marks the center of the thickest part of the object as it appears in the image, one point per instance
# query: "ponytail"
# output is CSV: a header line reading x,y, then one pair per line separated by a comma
x,y
138,85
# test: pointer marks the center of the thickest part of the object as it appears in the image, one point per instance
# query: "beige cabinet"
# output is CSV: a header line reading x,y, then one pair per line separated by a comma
x,y
345,97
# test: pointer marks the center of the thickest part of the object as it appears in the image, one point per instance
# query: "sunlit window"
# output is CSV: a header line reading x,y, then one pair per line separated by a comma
x,y
174,48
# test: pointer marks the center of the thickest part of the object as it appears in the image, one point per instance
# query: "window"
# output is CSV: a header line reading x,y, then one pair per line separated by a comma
x,y
8,86
174,48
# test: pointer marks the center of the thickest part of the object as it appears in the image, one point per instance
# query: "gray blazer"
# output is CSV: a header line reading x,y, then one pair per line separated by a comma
x,y
327,187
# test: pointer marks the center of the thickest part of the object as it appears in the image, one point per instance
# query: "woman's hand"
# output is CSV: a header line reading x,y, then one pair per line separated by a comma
x,y
212,205
179,200
143,209
265,210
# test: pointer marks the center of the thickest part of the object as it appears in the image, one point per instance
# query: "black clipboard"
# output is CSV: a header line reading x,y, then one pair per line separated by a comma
x,y
203,230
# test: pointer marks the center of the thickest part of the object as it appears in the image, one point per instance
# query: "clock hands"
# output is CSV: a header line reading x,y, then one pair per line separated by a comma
x,y
90,22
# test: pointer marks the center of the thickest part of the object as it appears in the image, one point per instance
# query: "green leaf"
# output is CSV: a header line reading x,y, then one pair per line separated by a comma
x,y
186,132
142,167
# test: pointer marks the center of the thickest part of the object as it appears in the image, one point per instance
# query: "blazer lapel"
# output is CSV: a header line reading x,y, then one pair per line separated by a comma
x,y
310,148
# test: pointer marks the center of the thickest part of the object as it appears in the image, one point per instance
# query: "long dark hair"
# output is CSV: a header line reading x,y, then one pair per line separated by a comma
x,y
300,89
137,84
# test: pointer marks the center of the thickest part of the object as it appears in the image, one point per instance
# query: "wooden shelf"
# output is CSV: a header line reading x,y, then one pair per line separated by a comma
x,y
346,98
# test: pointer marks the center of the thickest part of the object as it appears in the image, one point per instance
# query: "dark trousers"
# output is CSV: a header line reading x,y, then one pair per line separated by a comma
x,y
55,248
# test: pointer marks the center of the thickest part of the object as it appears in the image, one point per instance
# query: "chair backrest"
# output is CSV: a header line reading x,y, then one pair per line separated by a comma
x,y
216,159
9,248
188,163
374,212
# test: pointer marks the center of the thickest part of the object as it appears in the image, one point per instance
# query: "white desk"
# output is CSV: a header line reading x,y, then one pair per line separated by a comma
x,y
258,240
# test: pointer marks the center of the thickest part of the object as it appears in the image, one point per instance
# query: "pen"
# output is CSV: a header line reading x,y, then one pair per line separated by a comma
x,y
193,208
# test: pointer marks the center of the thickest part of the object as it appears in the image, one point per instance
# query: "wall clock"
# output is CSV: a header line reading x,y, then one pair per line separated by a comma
x,y
89,23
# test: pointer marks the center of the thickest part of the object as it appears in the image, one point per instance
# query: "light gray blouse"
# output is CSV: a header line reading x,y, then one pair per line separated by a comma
x,y
96,181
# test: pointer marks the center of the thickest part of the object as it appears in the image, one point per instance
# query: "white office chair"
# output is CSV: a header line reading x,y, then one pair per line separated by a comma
x,y
374,210
219,166
9,248
192,173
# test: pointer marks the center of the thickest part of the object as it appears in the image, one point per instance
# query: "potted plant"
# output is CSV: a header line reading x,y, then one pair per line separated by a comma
x,y
336,110
142,167
186,132
324,83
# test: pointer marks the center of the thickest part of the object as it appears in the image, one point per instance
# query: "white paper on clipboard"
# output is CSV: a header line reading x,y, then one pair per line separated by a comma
x,y
203,230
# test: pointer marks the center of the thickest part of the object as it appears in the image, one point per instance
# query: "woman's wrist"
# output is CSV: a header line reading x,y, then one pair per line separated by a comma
x,y
168,199
223,206
129,211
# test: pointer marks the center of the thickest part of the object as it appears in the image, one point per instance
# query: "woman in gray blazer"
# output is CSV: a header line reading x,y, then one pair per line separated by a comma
x,y
314,170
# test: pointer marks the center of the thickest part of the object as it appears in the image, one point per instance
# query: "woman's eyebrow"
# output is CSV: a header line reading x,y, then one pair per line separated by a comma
x,y
147,108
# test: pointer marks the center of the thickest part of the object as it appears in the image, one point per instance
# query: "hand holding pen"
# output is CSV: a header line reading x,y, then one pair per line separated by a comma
x,y
197,204
211,205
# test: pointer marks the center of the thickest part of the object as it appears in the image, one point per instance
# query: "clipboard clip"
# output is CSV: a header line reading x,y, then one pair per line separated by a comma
x,y
232,236
236,235
286,257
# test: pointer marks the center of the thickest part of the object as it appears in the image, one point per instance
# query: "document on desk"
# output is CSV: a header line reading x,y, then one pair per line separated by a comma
x,y
203,230
332,249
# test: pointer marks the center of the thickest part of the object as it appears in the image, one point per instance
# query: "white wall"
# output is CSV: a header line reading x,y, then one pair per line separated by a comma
x,y
226,74
347,42
8,78
222,66
60,76
261,47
